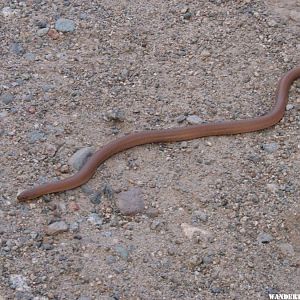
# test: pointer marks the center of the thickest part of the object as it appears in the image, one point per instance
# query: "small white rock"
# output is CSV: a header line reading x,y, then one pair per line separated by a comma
x,y
205,53
43,31
7,12
272,187
194,119
189,232
18,282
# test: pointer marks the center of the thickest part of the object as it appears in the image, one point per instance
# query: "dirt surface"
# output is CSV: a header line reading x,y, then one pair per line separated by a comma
x,y
221,217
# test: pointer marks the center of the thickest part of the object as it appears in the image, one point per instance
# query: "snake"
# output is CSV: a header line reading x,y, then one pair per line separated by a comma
x,y
216,128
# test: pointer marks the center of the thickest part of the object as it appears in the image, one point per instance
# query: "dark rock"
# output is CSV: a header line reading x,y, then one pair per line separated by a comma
x,y
187,15
96,198
108,191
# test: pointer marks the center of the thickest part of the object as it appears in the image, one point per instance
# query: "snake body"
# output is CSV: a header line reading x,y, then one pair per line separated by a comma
x,y
170,135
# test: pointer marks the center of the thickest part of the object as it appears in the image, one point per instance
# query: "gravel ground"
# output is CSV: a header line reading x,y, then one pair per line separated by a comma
x,y
214,218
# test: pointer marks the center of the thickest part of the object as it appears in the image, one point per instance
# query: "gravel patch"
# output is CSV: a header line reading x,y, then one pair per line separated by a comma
x,y
216,217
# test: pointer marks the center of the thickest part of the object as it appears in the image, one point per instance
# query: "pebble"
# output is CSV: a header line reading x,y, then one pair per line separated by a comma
x,y
48,87
7,12
83,16
130,202
87,189
115,115
64,169
110,259
57,227
108,191
43,31
50,150
29,56
272,23
208,259
17,48
270,148
199,216
286,249
216,290
194,119
73,206
272,187
18,282
205,53
194,261
53,34
184,144
180,118
107,234
4,114
31,109
42,24
254,158
7,98
64,25
79,158
96,198
95,219
47,246
264,238
156,225
187,15
152,212
122,252
289,107
35,136
189,231
74,227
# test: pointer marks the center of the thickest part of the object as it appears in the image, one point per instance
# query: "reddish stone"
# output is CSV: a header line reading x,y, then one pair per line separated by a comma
x,y
53,34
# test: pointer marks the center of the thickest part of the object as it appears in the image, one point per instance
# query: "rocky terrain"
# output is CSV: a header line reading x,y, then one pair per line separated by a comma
x,y
212,218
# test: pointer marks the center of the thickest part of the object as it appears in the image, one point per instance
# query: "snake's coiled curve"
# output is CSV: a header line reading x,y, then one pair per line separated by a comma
x,y
170,135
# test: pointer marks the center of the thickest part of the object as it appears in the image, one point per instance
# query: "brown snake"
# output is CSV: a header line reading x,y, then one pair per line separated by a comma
x,y
170,135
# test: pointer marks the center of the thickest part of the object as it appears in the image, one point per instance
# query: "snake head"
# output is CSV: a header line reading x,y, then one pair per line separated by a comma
x,y
24,196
